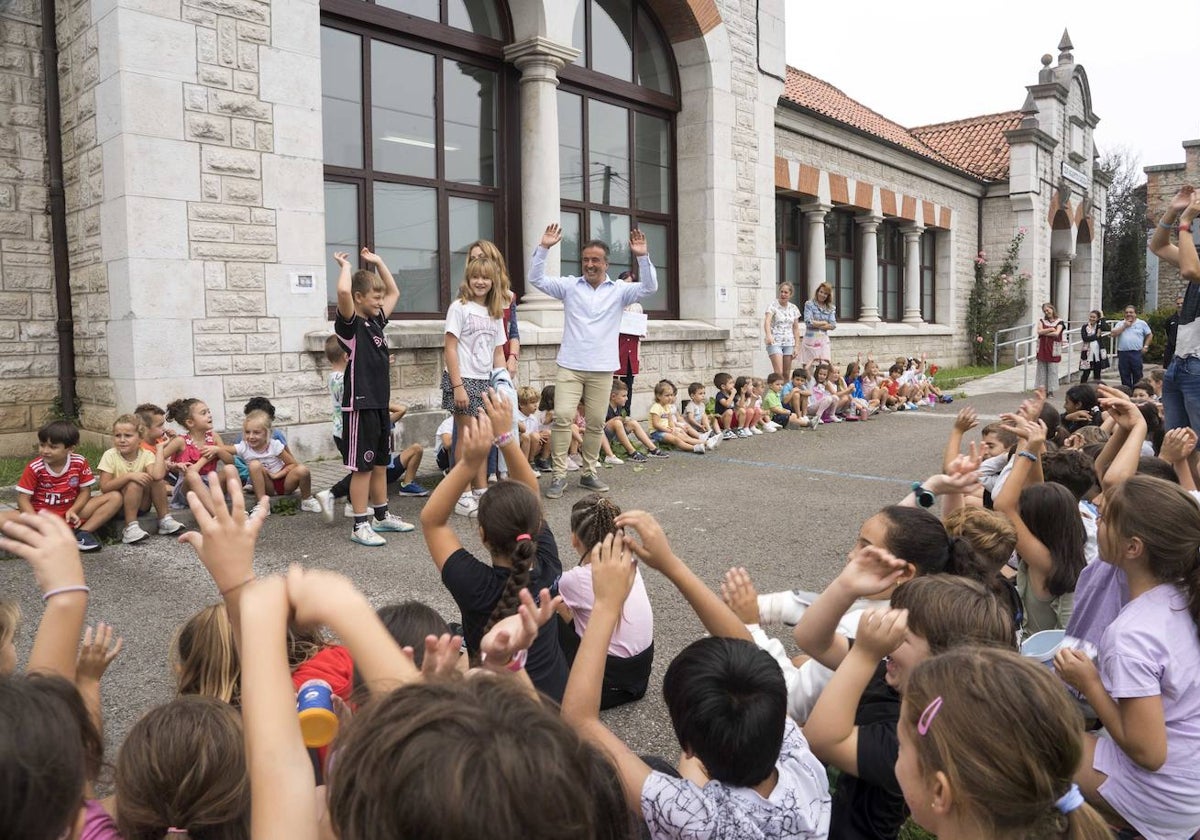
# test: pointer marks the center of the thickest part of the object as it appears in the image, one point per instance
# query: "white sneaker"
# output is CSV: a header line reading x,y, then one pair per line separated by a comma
x,y
711,443
265,503
169,525
699,449
572,465
781,608
771,426
756,431
133,533
744,433
313,505
348,511
391,522
325,500
614,460
467,505
364,535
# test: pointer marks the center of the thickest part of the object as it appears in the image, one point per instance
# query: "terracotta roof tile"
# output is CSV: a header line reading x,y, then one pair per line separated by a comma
x,y
975,145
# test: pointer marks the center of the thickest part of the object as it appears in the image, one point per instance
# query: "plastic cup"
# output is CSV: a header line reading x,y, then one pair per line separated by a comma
x,y
318,721
1043,646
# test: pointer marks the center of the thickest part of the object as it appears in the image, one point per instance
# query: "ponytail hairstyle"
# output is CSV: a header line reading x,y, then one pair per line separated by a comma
x,y
509,510
592,519
916,536
205,657
1166,520
42,758
1006,737
1051,513
993,539
948,610
183,767
180,411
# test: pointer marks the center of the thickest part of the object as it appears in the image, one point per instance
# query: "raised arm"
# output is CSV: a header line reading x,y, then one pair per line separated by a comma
x,y
966,420
654,550
499,411
1189,261
1132,434
391,292
1027,469
1160,242
441,539
647,277
345,299
537,278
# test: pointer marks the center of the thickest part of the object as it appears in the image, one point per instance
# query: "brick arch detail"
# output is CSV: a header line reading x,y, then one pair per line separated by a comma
x,y
683,20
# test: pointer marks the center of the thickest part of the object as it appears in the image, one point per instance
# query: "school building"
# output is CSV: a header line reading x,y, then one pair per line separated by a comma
x,y
170,198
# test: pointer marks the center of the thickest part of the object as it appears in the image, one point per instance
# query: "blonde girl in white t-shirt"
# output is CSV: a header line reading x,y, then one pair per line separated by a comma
x,y
474,348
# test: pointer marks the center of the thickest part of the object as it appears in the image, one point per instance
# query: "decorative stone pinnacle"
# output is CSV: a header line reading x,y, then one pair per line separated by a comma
x,y
1065,46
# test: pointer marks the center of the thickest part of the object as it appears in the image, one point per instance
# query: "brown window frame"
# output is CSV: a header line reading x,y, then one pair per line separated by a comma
x,y
786,207
929,275
891,230
851,312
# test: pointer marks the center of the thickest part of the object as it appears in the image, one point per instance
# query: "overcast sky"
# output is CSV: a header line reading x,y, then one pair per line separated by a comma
x,y
935,61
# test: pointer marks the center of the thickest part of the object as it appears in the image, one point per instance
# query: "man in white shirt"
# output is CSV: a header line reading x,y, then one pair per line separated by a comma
x,y
592,306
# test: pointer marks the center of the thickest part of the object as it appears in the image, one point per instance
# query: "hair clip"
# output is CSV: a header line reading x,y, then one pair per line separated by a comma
x,y
927,716
522,538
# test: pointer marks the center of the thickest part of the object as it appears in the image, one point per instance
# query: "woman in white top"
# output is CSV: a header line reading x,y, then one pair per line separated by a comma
x,y
781,330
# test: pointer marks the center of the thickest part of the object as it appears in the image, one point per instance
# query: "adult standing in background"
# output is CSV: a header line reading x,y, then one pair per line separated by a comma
x,y
1050,330
820,318
1092,358
592,307
1133,340
781,330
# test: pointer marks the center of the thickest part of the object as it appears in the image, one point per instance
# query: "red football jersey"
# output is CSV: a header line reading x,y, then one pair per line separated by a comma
x,y
52,492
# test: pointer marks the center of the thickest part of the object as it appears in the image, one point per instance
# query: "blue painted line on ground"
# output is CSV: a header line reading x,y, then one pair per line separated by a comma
x,y
814,470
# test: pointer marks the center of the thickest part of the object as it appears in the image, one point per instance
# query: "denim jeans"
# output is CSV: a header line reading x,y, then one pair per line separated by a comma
x,y
1181,393
1129,364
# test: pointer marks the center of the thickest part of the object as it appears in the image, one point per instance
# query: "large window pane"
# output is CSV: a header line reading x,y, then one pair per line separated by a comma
x,y
470,123
406,237
470,220
341,98
570,146
660,255
341,230
402,110
570,265
653,57
612,38
612,229
427,9
478,16
608,146
652,162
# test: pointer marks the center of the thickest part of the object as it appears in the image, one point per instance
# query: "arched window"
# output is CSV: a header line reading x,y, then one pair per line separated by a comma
x,y
616,112
414,96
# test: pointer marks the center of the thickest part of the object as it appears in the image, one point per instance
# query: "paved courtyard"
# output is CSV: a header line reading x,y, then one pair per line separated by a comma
x,y
786,506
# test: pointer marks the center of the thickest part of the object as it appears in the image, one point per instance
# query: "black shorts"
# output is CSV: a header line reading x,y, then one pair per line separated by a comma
x,y
367,439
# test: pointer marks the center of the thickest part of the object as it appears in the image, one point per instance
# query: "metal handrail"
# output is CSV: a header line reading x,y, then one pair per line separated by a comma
x,y
997,343
1073,345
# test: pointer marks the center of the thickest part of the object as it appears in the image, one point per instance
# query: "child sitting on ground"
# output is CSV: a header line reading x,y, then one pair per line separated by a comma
x,y
578,427
546,420
695,410
138,475
758,387
535,440
746,769
774,408
197,450
60,480
274,471
665,426
795,393
751,416
730,418
620,426
823,404
631,651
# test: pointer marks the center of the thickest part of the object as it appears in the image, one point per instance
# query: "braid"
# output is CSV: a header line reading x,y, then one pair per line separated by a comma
x,y
510,599
592,519
509,510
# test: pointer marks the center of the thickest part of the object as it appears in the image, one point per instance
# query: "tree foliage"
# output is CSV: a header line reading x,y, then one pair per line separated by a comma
x,y
1124,230
997,300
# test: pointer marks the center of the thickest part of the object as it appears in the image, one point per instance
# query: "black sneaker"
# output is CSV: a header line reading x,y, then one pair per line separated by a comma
x,y
86,541
638,458
658,453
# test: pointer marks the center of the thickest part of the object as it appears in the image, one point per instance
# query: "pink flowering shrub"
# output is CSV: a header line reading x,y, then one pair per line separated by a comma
x,y
997,300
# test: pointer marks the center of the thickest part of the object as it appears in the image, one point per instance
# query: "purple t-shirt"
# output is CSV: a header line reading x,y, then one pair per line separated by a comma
x,y
97,824
1100,593
1153,649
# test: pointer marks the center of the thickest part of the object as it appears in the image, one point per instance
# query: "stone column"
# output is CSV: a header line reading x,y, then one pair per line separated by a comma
x,y
539,60
1062,299
912,274
814,220
868,269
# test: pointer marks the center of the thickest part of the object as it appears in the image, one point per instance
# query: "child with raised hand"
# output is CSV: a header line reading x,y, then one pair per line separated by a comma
x,y
60,481
139,476
512,527
631,651
988,747
1050,534
665,426
747,770
619,427
196,451
730,418
1145,684
365,300
853,724
274,470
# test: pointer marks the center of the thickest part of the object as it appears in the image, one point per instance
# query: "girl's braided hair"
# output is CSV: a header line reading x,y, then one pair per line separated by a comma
x,y
592,519
509,510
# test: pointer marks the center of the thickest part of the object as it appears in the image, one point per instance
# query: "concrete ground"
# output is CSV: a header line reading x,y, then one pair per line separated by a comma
x,y
786,506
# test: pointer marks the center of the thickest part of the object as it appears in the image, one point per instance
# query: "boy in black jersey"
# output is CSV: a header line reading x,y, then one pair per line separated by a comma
x,y
365,299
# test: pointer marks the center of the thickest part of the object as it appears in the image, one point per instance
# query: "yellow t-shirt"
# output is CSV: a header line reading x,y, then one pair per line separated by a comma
x,y
114,463
662,418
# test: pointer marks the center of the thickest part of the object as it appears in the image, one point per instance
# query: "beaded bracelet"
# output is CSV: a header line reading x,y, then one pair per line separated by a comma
x,y
503,440
62,590
1025,453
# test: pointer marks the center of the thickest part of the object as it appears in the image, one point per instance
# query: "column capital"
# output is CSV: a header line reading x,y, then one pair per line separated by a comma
x,y
815,212
912,232
539,58
868,222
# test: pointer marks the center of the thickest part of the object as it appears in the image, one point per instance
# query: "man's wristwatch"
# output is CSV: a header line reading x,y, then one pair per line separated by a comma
x,y
924,497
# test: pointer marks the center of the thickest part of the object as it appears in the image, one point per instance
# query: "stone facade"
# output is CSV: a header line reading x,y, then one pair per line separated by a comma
x,y
1163,282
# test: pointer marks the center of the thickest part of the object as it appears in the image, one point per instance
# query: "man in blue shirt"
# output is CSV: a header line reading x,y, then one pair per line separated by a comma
x,y
1133,339
592,306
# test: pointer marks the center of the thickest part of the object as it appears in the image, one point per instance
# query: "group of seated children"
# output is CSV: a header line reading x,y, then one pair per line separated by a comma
x,y
910,682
